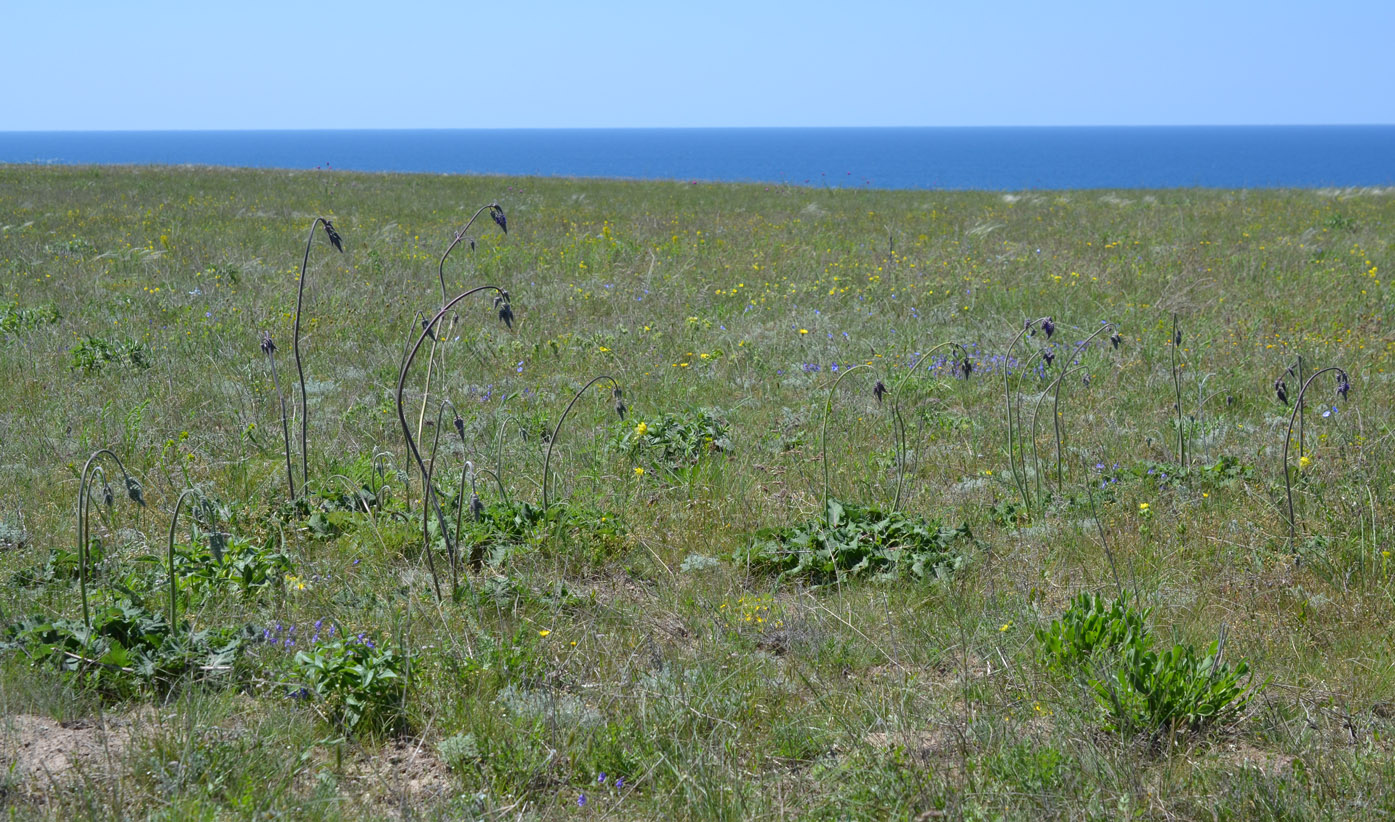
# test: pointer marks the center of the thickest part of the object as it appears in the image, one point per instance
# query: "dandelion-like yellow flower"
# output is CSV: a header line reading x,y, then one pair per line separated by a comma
x,y
804,331
1304,461
640,430
639,471
1143,506
544,632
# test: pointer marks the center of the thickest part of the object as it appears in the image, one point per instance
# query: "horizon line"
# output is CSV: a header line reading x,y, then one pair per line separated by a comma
x,y
680,128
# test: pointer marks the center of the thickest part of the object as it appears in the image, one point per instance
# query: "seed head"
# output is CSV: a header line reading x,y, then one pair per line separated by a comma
x,y
879,391
133,491
498,214
333,236
426,326
1281,390
1085,380
1049,327
268,347
506,316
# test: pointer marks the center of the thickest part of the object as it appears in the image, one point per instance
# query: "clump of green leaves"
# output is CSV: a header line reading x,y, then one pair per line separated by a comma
x,y
14,319
857,541
226,564
92,354
496,529
358,682
128,648
676,440
1178,689
1090,627
1139,689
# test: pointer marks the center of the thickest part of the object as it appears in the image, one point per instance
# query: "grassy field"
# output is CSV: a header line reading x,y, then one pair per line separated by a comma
x,y
720,613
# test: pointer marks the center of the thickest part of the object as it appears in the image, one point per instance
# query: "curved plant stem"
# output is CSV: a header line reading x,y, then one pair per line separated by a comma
x,y
174,521
84,500
493,208
295,341
427,496
547,461
270,349
1055,390
1177,385
1017,477
1288,435
823,436
900,424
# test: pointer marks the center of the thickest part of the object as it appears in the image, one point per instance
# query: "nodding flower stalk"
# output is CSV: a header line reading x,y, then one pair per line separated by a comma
x,y
428,498
133,491
616,393
338,243
174,521
963,366
269,349
497,212
1046,324
1343,388
1177,386
1055,390
823,432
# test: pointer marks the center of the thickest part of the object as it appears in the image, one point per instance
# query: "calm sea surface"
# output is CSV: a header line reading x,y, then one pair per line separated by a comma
x,y
953,158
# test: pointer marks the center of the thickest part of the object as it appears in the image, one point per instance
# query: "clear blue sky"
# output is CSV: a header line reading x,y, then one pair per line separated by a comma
x,y
229,65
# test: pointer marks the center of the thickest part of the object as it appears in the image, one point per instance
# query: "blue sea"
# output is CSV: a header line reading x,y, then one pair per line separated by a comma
x,y
894,158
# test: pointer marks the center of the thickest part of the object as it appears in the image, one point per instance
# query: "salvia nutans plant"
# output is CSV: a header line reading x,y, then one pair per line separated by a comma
x,y
1016,433
338,243
269,351
91,472
1343,388
497,213
430,504
616,394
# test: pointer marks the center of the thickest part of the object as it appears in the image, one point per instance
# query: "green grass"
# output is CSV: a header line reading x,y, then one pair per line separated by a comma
x,y
617,634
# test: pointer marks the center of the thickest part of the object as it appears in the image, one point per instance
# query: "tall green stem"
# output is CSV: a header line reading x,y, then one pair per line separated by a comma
x,y
295,341
823,436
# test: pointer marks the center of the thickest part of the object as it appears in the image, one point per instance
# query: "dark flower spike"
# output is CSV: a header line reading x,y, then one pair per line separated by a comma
x,y
1343,384
1281,390
497,213
426,326
476,507
1047,356
966,367
1177,338
1115,339
1049,327
460,427
472,243
334,237
107,496
133,491
268,347
1085,380
506,316
879,391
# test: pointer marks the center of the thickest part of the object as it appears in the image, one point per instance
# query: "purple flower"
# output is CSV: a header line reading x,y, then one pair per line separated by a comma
x,y
601,779
581,801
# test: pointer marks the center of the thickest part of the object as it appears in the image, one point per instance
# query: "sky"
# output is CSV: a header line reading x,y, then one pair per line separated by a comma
x,y
277,65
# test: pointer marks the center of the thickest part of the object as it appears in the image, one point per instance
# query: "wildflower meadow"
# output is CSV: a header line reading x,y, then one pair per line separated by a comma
x,y
327,495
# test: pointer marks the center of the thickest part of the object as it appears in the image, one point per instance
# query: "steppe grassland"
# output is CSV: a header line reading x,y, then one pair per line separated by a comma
x,y
651,652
